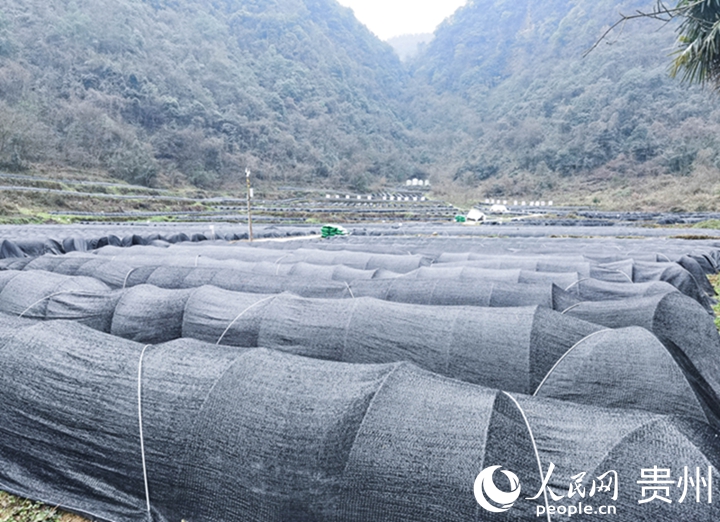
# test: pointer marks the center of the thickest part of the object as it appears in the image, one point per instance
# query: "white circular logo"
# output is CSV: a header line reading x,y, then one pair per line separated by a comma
x,y
486,490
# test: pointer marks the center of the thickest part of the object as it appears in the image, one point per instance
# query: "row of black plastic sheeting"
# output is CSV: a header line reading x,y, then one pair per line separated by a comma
x,y
186,430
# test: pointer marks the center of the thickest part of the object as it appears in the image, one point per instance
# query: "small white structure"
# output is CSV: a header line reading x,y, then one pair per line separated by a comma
x,y
542,203
392,198
475,215
515,203
427,182
487,201
369,198
504,202
408,182
415,182
327,196
524,203
422,198
550,203
500,209
347,196
358,197
337,196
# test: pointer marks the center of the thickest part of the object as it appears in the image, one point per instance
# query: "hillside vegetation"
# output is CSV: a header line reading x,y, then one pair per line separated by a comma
x,y
409,45
197,90
543,119
500,103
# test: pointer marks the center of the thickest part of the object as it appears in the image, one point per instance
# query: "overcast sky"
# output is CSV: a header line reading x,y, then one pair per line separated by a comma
x,y
388,18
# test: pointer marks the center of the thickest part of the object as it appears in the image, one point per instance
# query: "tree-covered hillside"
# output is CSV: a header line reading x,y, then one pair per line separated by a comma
x,y
543,113
196,90
408,45
500,103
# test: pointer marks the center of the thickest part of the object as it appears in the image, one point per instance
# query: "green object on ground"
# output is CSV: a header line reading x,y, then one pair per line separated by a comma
x,y
333,230
460,219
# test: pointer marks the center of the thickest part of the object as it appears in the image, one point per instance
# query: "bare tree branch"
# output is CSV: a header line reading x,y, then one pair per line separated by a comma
x,y
661,13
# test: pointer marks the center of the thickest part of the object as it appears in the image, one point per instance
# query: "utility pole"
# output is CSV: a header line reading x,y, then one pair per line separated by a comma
x,y
249,194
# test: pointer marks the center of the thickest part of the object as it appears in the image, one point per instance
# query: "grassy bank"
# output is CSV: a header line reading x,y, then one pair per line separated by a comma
x,y
698,191
14,509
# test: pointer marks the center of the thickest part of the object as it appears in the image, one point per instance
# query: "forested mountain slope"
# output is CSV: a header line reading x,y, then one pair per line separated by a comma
x,y
500,103
544,117
295,89
408,45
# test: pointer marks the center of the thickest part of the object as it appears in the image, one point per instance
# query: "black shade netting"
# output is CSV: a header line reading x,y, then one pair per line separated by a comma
x,y
256,435
643,272
352,259
421,291
624,368
681,324
507,275
508,348
598,290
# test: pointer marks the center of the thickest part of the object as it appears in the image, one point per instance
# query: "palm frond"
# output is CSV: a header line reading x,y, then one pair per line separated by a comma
x,y
698,58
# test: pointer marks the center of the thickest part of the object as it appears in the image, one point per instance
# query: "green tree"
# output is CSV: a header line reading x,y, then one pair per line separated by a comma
x,y
698,59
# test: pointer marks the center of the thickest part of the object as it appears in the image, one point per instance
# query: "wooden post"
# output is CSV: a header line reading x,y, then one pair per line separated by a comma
x,y
247,177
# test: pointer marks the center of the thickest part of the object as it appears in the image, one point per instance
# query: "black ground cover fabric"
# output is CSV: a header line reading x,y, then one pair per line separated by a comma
x,y
233,434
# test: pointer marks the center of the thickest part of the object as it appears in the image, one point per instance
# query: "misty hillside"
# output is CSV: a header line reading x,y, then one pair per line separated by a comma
x,y
197,90
542,116
409,45
499,102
